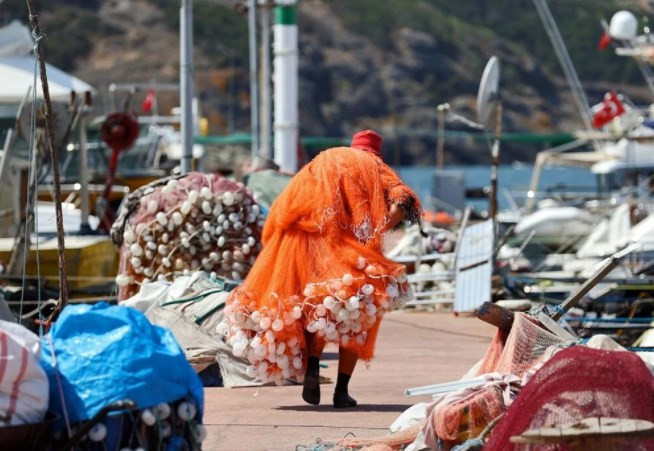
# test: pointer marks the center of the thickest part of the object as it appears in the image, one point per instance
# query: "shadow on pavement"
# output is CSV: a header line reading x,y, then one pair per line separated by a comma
x,y
360,408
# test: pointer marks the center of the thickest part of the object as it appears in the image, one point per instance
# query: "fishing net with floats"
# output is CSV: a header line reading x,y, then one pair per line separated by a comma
x,y
196,222
509,353
322,269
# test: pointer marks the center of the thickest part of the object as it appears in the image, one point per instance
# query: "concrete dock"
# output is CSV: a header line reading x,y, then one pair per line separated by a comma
x,y
413,349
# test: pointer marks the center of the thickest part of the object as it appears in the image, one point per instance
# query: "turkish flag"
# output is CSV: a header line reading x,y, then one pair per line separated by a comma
x,y
604,41
149,101
604,112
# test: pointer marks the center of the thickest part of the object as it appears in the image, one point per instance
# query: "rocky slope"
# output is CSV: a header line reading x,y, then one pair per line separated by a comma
x,y
364,63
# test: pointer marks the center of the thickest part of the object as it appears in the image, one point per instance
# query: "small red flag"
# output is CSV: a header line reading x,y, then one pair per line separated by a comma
x,y
149,101
604,41
604,112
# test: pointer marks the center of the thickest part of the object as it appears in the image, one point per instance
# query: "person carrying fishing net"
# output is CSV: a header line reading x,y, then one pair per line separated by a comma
x,y
321,276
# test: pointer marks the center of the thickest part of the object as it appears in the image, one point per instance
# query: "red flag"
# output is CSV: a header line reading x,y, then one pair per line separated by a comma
x,y
604,41
149,101
604,112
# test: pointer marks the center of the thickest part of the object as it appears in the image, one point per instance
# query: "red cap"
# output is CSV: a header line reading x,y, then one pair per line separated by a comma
x,y
369,141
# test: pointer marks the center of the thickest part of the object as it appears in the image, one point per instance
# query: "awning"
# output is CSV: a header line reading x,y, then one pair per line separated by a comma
x,y
17,75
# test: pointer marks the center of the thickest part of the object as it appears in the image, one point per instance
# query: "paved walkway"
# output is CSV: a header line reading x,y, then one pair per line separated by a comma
x,y
413,349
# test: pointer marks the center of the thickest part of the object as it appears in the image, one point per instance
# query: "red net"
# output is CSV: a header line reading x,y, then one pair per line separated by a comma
x,y
579,383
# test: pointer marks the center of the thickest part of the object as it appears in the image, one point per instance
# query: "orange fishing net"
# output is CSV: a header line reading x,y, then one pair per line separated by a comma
x,y
460,421
321,269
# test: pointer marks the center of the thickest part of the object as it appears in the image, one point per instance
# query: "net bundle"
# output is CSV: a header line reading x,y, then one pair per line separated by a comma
x,y
579,383
322,270
345,311
514,353
457,422
196,222
521,349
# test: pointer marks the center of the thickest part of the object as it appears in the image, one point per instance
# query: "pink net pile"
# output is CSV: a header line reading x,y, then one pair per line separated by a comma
x,y
197,222
575,384
521,349
513,353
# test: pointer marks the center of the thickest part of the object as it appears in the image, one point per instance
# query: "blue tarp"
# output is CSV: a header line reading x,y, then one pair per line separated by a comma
x,y
108,353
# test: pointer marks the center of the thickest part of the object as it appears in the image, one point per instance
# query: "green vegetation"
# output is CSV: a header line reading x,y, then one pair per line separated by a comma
x,y
218,30
454,23
69,25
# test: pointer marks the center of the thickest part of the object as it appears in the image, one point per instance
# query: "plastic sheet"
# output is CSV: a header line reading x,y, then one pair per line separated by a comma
x,y
23,383
104,354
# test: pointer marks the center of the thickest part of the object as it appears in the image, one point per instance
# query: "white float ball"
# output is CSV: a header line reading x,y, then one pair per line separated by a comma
x,y
136,250
122,280
148,417
228,199
277,325
98,432
153,206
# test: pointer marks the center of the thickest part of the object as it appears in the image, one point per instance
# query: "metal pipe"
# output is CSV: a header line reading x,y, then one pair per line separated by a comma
x,y
254,85
446,387
83,163
266,95
440,150
186,83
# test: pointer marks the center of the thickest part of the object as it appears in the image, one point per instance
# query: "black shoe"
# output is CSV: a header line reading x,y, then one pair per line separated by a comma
x,y
343,401
311,390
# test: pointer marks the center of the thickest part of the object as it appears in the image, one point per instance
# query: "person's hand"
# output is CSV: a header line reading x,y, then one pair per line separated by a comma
x,y
395,216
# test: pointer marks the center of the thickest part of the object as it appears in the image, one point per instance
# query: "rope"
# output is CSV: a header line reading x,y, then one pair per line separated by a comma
x,y
30,171
33,161
59,386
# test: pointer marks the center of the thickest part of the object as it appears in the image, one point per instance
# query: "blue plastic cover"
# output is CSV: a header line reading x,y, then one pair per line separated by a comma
x,y
109,353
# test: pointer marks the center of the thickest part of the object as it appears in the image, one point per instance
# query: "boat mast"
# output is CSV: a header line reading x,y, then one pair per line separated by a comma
x,y
566,63
266,97
186,83
254,89
63,280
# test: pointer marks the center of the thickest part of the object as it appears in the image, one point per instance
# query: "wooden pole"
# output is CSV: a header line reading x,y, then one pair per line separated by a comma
x,y
495,153
63,282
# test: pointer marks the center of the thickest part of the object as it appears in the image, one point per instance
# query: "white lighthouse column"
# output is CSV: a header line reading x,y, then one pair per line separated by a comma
x,y
285,78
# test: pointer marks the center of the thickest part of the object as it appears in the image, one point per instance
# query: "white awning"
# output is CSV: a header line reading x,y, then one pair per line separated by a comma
x,y
17,75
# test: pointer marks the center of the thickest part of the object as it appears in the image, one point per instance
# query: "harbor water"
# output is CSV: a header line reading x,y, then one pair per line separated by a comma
x,y
513,181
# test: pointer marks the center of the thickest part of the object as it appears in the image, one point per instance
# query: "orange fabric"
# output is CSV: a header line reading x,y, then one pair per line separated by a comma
x,y
322,254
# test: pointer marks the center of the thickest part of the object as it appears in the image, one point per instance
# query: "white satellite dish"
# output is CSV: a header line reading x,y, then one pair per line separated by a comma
x,y
488,91
60,120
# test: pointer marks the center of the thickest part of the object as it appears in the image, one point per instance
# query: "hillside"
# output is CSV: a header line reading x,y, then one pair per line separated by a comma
x,y
361,65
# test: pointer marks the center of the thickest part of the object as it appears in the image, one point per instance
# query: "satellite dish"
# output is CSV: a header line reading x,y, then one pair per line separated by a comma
x,y
60,119
488,91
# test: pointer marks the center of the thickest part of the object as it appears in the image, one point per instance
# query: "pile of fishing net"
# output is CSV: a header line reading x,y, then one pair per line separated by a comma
x,y
579,383
458,416
342,310
182,224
